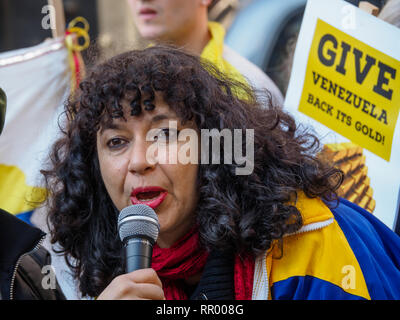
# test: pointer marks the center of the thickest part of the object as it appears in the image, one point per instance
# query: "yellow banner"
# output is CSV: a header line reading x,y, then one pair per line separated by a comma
x,y
353,89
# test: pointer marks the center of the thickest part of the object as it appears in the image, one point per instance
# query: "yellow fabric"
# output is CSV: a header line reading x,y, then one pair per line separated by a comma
x,y
19,197
213,52
323,253
312,210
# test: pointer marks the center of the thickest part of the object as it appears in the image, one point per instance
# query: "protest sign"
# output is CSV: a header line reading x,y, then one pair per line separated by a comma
x,y
345,83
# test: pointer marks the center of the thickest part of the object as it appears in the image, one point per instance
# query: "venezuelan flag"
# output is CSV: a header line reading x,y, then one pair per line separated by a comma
x,y
36,81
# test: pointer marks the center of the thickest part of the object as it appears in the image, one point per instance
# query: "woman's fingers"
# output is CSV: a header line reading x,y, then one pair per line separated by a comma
x,y
139,284
145,276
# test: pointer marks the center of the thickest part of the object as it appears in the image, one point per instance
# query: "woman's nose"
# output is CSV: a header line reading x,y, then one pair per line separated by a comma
x,y
139,161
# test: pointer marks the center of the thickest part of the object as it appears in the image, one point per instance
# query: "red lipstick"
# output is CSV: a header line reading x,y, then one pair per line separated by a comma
x,y
147,13
150,196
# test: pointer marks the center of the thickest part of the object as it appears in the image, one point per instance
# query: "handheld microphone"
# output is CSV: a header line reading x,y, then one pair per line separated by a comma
x,y
138,229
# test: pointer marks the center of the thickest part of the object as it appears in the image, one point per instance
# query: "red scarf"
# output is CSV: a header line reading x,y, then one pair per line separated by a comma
x,y
186,258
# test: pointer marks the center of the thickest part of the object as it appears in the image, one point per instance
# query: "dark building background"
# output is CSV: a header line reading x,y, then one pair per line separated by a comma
x,y
21,21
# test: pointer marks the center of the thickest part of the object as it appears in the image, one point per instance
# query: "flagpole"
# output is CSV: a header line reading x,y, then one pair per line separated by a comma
x,y
368,7
59,17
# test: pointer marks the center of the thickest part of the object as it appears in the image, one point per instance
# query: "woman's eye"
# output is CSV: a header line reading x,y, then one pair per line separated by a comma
x,y
115,143
167,135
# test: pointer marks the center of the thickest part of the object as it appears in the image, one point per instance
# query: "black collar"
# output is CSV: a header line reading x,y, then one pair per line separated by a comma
x,y
216,282
16,238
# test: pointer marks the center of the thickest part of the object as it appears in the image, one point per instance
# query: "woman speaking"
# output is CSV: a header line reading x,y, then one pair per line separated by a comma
x,y
277,231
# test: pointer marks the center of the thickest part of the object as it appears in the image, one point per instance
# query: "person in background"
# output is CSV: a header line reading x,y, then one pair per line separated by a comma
x,y
22,257
391,13
184,24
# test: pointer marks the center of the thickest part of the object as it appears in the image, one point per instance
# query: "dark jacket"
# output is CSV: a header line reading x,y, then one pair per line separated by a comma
x,y
23,262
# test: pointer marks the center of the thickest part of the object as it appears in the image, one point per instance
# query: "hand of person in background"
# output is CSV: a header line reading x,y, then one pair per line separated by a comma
x,y
3,101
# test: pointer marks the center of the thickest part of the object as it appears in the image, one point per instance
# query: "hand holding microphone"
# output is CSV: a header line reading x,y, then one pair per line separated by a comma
x,y
138,229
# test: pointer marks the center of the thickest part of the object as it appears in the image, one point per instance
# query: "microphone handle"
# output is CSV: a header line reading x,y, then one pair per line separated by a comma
x,y
138,254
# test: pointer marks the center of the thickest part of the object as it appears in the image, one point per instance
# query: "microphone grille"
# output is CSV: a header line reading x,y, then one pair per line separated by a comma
x,y
138,221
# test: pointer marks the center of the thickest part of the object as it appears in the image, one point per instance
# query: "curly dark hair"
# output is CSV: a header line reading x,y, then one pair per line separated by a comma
x,y
242,212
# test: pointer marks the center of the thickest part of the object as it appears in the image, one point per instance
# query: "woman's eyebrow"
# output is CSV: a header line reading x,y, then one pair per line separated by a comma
x,y
116,126
110,126
160,117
